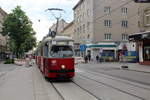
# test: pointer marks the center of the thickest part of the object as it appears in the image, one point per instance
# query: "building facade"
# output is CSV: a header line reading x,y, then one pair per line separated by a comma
x,y
143,37
106,22
61,25
83,24
68,30
3,40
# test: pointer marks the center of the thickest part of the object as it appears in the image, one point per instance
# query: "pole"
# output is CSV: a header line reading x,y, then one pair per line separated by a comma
x,y
57,18
57,23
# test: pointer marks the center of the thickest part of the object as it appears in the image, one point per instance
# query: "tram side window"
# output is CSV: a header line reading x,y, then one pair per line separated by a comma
x,y
61,51
46,50
41,51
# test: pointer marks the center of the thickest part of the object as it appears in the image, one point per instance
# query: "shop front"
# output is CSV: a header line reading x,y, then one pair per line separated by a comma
x,y
143,46
107,51
146,50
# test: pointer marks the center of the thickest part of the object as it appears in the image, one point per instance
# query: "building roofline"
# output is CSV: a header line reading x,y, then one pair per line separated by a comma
x,y
3,12
69,25
77,4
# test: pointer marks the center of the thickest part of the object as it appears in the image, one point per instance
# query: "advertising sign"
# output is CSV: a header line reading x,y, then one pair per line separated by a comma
x,y
131,56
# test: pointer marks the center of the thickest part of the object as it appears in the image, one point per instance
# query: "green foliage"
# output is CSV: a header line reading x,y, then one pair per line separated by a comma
x,y
19,29
9,61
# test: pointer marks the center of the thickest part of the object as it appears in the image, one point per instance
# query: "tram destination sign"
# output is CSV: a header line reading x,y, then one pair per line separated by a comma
x,y
142,1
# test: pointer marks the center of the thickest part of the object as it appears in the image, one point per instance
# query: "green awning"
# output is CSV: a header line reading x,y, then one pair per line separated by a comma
x,y
96,45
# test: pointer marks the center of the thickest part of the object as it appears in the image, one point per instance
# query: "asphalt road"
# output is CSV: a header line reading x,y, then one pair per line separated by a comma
x,y
108,81
114,69
4,68
104,81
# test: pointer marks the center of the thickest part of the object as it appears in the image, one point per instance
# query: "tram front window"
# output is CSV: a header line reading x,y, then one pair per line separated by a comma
x,y
61,51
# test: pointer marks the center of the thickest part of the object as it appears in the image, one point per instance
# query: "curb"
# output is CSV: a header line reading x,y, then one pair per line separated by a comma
x,y
2,73
139,71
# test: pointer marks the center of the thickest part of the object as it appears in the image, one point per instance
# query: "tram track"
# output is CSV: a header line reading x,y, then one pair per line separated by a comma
x,y
52,84
120,79
133,95
72,91
86,90
124,78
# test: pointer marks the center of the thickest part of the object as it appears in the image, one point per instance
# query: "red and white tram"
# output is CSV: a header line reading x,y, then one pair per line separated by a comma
x,y
54,57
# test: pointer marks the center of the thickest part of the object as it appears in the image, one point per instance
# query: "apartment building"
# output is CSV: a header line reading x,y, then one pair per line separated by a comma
x,y
2,38
105,25
68,30
61,25
83,24
142,38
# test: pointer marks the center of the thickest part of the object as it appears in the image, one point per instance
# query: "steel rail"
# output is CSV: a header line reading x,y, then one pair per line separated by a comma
x,y
114,87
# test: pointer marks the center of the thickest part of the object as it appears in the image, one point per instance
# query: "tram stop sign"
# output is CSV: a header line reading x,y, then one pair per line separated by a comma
x,y
83,47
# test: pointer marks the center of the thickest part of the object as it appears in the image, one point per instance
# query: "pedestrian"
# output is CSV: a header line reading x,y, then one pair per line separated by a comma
x,y
120,56
97,58
89,57
86,59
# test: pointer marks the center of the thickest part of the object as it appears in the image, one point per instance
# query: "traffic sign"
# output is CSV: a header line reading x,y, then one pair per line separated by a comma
x,y
83,47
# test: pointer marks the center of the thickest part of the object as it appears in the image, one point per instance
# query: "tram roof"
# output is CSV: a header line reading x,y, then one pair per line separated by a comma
x,y
58,38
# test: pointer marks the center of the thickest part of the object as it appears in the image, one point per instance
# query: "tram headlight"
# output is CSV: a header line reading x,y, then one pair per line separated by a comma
x,y
63,66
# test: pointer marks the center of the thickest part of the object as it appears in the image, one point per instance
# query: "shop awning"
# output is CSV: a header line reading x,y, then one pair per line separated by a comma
x,y
108,45
139,36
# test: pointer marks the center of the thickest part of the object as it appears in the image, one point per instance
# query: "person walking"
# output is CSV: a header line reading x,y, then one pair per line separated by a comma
x,y
97,58
86,58
89,57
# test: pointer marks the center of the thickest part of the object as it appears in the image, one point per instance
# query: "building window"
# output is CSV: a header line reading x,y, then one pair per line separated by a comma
x,y
74,30
107,23
88,36
124,23
80,18
83,16
83,28
108,36
124,36
88,25
124,10
88,12
77,19
80,29
147,18
107,10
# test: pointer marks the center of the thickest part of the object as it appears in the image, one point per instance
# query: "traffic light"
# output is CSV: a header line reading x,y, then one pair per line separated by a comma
x,y
142,1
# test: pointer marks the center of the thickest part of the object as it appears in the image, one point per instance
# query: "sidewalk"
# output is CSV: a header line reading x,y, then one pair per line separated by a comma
x,y
17,85
131,66
26,83
138,67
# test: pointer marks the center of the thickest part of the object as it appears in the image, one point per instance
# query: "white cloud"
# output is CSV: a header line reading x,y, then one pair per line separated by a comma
x,y
35,10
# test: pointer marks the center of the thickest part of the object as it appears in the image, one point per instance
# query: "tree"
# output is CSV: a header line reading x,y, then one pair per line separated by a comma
x,y
19,29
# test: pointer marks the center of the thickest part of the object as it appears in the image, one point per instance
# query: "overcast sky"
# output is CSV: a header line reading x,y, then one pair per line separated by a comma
x,y
35,10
